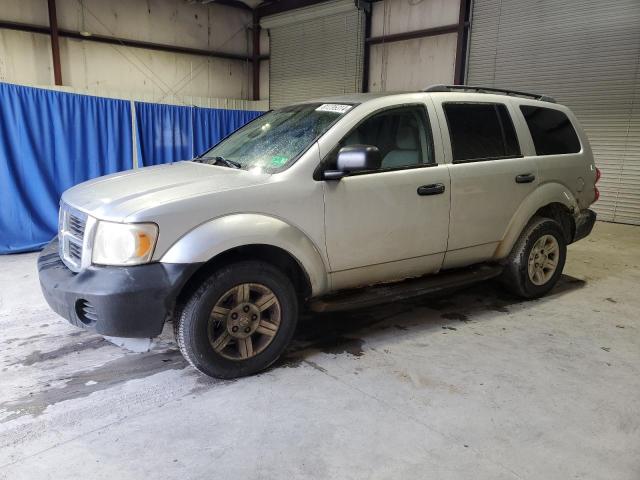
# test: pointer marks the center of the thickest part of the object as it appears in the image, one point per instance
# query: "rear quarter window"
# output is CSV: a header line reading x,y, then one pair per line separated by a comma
x,y
551,131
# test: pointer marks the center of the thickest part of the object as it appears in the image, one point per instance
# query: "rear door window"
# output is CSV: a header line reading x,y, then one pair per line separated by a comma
x,y
480,131
551,131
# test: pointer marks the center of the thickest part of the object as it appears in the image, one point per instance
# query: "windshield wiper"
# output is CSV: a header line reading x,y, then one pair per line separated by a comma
x,y
219,161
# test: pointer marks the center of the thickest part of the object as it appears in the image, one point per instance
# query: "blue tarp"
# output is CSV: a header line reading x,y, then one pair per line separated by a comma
x,y
50,141
168,133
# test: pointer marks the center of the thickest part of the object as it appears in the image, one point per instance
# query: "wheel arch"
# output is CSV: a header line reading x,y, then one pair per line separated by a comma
x,y
257,237
551,200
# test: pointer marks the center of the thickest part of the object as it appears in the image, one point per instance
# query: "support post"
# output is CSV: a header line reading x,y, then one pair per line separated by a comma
x,y
461,44
55,46
255,57
367,46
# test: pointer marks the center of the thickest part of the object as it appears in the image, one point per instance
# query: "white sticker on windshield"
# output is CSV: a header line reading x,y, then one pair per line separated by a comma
x,y
333,107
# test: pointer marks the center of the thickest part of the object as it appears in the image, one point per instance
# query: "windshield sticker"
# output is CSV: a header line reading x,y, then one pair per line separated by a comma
x,y
278,160
333,107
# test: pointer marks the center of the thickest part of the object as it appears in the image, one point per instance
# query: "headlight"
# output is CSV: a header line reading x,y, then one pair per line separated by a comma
x,y
124,243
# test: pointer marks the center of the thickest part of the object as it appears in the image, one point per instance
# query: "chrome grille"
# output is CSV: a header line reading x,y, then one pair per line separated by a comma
x,y
76,225
72,225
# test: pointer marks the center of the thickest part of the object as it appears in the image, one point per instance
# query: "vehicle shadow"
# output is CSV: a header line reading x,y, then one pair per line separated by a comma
x,y
347,331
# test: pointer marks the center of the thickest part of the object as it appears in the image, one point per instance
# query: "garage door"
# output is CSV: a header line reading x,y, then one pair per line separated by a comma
x,y
586,55
315,51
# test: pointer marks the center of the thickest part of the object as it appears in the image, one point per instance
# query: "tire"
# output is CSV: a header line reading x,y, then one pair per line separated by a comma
x,y
517,277
211,340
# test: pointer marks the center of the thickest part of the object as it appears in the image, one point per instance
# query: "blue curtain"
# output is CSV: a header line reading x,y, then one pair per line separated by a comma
x,y
168,133
212,125
50,141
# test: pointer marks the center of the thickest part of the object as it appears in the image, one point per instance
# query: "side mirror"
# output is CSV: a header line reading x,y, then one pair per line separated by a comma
x,y
355,158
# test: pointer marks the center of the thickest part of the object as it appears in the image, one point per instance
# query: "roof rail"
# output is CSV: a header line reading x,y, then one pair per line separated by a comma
x,y
451,88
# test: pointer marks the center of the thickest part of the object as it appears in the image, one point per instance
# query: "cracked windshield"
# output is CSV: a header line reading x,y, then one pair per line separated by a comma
x,y
274,140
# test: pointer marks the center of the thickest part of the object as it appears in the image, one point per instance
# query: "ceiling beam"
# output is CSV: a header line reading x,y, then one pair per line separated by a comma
x,y
279,6
230,3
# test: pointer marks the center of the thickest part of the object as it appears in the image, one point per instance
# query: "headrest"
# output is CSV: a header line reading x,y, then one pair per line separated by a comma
x,y
407,135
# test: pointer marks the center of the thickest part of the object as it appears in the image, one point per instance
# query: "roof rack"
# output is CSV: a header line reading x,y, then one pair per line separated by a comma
x,y
451,88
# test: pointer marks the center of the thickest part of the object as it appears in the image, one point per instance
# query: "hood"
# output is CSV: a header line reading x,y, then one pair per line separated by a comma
x,y
117,196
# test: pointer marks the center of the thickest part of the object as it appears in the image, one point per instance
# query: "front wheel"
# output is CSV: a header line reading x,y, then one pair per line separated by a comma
x,y
239,321
537,260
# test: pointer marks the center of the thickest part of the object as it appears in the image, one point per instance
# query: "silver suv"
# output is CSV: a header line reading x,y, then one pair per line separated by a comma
x,y
334,203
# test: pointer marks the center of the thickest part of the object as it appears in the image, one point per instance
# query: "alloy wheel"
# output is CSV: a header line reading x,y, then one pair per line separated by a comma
x,y
543,259
244,321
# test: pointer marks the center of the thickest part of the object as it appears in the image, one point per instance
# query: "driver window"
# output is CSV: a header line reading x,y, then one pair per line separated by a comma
x,y
401,134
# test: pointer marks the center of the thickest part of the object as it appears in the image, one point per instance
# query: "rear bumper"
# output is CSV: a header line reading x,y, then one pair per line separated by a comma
x,y
129,302
585,221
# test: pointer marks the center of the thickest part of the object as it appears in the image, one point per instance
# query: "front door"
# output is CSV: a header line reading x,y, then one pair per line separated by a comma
x,y
393,222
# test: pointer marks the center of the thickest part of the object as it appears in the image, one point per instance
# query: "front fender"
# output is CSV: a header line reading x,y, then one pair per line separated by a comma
x,y
221,234
543,195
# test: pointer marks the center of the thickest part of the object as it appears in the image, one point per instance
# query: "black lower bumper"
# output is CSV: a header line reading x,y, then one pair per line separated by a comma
x,y
129,302
584,224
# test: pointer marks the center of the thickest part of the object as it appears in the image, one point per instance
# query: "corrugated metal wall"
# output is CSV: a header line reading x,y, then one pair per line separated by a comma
x,y
586,54
316,52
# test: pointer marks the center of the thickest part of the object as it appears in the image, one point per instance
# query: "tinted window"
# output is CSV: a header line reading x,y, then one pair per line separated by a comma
x,y
480,131
551,131
402,135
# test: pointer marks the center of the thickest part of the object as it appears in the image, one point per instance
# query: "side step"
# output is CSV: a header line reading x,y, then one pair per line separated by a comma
x,y
390,292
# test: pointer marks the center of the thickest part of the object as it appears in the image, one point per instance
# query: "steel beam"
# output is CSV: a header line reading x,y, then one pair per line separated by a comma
x,y
230,3
279,6
366,61
398,37
255,57
461,43
55,44
126,42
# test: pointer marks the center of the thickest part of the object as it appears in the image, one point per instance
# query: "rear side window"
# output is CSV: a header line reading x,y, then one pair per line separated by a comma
x,y
551,131
480,131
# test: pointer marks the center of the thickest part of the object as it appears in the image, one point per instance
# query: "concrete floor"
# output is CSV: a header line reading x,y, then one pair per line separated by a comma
x,y
471,385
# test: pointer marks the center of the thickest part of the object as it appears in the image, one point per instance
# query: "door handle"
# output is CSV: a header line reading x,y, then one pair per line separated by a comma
x,y
431,189
525,178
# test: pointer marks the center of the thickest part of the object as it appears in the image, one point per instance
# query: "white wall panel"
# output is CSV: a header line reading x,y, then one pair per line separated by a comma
x,y
412,65
397,16
126,72
25,58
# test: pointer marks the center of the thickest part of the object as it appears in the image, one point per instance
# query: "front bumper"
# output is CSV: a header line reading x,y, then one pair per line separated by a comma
x,y
131,302
585,221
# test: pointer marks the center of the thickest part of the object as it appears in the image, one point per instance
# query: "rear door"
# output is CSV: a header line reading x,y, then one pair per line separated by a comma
x,y
489,176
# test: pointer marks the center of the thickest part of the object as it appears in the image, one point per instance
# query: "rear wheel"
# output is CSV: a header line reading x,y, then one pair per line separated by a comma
x,y
239,321
537,260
